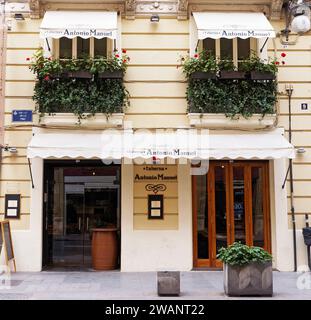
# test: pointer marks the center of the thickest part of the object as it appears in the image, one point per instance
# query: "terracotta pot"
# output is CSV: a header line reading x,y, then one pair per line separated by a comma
x,y
80,74
255,75
104,249
111,75
232,75
200,75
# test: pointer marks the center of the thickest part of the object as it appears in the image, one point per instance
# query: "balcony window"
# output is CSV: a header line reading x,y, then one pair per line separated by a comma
x,y
78,48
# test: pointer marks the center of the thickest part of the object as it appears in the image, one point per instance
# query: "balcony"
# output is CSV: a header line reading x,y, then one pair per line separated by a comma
x,y
86,92
221,96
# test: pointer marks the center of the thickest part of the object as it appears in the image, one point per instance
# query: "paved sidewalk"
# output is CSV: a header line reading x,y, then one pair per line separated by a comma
x,y
124,285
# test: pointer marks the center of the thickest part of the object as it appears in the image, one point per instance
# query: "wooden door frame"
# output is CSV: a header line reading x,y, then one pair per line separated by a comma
x,y
210,189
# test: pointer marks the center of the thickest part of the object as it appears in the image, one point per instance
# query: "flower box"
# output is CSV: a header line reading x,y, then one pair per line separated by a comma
x,y
232,75
80,74
255,75
200,75
117,74
220,120
253,279
99,120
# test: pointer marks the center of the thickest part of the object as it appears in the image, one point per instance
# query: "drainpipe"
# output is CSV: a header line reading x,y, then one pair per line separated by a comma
x,y
2,74
289,91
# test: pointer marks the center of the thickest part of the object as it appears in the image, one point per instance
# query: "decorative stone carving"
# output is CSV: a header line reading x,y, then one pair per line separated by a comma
x,y
34,6
276,9
182,9
130,9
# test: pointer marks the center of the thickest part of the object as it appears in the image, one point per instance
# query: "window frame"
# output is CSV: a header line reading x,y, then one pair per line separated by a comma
x,y
74,54
253,48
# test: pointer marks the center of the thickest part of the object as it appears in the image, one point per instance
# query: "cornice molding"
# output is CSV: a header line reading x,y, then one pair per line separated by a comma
x,y
276,9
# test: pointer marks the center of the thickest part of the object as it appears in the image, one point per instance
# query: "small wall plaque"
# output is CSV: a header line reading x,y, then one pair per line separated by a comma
x,y
12,206
304,106
155,206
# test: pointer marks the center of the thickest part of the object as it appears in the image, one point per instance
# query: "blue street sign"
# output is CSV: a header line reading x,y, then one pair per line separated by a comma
x,y
22,116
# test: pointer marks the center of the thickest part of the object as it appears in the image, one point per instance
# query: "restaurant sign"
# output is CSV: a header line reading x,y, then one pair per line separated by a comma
x,y
73,33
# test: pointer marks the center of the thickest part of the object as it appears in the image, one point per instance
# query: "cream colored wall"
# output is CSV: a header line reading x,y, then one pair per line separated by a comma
x,y
157,91
297,71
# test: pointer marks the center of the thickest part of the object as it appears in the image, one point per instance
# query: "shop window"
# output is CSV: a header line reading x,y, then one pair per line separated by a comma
x,y
79,47
236,49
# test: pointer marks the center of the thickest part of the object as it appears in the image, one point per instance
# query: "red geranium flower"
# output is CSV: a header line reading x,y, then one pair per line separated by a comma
x,y
283,62
124,61
196,55
46,78
117,56
277,63
27,59
283,55
123,51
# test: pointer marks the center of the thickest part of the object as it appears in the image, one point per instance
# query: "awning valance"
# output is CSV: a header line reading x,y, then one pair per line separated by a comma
x,y
182,143
84,24
233,25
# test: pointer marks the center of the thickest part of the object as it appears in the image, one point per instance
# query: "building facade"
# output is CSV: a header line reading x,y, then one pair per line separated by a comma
x,y
167,215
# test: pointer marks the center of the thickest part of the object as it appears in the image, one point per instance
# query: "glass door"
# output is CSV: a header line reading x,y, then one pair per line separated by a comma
x,y
230,203
101,208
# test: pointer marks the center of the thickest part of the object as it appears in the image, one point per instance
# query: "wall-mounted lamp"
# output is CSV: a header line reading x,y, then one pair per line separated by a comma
x,y
301,150
19,17
9,149
155,18
297,19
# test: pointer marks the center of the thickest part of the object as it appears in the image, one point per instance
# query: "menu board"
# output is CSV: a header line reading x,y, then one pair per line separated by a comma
x,y
6,236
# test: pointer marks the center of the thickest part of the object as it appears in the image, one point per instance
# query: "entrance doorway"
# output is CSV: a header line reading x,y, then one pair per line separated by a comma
x,y
230,203
78,197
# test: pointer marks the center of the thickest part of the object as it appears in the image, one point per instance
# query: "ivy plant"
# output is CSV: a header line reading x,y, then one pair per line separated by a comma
x,y
54,92
243,97
239,254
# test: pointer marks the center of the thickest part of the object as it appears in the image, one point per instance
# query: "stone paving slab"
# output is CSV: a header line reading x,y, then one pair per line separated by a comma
x,y
197,285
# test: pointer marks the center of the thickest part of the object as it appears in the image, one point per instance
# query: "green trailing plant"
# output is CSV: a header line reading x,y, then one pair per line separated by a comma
x,y
55,92
239,254
254,63
204,61
243,97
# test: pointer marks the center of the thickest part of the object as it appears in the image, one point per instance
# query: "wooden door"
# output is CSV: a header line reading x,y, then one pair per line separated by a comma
x,y
230,203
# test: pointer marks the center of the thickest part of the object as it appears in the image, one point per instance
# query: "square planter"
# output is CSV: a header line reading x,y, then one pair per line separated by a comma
x,y
232,75
254,279
255,75
111,75
307,235
80,74
200,75
168,283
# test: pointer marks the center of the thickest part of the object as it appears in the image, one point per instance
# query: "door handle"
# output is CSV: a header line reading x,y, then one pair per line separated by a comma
x,y
87,224
79,224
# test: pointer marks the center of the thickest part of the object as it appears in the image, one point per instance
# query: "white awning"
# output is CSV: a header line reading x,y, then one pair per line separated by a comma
x,y
250,145
65,145
84,24
233,25
181,143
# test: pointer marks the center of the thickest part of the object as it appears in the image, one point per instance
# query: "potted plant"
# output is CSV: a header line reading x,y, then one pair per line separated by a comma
x,y
202,66
259,69
247,270
228,70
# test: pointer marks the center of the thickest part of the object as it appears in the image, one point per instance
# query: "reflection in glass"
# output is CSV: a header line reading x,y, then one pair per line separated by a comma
x,y
220,207
226,48
244,48
238,204
257,201
65,48
83,47
209,44
100,47
202,217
